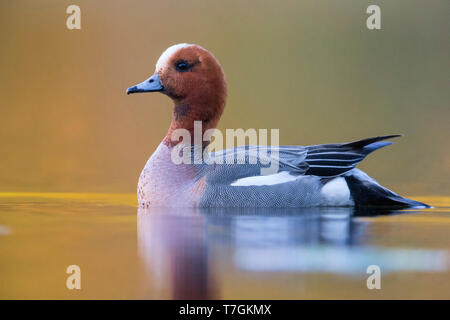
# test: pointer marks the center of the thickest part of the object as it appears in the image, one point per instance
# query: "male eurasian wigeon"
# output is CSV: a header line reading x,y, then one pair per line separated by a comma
x,y
307,176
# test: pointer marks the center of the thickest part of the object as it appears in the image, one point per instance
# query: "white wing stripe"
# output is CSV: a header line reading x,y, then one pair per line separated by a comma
x,y
278,178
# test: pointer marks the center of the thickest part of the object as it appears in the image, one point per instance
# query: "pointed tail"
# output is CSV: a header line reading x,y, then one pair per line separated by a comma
x,y
365,191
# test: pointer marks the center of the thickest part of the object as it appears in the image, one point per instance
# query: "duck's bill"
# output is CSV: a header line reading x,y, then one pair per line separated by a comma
x,y
152,84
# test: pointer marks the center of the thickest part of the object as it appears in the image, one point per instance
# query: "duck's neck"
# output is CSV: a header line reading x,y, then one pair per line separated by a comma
x,y
187,113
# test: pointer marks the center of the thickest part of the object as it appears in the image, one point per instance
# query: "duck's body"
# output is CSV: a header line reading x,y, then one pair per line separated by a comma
x,y
321,175
164,183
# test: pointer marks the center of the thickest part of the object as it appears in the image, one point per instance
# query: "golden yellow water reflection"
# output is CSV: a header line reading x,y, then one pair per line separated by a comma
x,y
225,254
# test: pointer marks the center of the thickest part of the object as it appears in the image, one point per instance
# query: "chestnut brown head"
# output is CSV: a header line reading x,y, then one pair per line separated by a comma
x,y
193,78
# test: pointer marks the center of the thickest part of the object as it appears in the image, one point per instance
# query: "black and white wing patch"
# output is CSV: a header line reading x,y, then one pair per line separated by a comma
x,y
328,160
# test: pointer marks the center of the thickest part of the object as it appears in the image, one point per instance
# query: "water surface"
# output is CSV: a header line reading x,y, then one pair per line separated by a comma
x,y
124,253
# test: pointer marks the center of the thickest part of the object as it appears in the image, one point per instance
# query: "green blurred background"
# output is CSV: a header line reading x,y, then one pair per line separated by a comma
x,y
310,68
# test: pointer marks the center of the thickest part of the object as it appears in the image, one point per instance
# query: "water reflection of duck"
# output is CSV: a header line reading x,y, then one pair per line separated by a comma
x,y
187,252
174,249
320,175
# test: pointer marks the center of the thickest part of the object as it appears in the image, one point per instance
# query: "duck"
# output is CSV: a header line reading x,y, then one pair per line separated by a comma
x,y
307,176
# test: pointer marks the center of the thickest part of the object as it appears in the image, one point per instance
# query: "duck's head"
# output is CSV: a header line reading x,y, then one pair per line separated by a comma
x,y
193,78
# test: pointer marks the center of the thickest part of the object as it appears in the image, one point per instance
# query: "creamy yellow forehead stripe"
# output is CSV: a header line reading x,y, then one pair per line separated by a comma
x,y
165,57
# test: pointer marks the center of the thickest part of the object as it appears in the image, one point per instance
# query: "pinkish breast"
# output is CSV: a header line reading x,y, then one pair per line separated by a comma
x,y
163,183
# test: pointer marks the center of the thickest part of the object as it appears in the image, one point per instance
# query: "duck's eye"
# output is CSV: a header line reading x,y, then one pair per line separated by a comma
x,y
182,66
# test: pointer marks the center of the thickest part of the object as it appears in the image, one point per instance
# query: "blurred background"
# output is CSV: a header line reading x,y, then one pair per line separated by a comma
x,y
310,68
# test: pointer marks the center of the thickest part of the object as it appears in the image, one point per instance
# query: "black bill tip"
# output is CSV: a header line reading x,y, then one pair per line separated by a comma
x,y
133,89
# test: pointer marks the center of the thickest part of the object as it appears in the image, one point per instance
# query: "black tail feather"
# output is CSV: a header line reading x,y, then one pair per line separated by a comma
x,y
366,192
